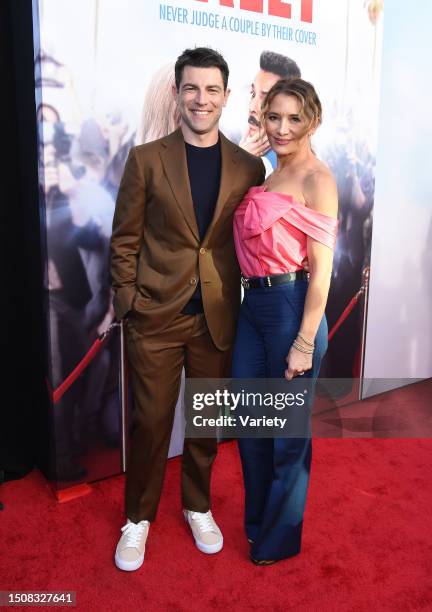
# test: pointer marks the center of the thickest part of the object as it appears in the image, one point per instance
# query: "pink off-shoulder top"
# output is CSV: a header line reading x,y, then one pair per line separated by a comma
x,y
271,229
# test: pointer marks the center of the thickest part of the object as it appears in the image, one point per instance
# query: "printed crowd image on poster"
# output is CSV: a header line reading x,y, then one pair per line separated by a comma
x,y
104,78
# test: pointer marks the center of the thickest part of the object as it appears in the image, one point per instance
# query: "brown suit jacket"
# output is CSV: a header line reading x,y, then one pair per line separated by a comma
x,y
156,253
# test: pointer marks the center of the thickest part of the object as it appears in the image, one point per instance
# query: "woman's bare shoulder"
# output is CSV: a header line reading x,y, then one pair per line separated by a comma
x,y
319,189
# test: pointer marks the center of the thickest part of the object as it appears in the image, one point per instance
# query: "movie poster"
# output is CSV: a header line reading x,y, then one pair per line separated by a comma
x,y
104,73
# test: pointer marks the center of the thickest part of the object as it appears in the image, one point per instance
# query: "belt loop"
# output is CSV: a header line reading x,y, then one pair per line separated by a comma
x,y
244,282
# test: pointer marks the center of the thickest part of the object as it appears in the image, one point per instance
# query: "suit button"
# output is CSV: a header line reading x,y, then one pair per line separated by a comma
x,y
202,251
193,280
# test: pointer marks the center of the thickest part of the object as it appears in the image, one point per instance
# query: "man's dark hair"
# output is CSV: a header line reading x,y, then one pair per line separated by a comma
x,y
201,57
279,64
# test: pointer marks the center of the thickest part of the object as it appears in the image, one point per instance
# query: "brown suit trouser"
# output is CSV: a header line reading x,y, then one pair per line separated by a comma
x,y
156,363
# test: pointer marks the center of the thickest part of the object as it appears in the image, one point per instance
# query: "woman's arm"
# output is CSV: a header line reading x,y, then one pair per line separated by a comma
x,y
321,195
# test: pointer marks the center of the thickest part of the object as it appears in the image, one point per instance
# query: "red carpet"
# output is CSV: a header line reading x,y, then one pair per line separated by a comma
x,y
367,540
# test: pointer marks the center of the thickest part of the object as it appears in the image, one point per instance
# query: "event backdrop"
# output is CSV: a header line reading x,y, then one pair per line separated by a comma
x,y
104,71
399,324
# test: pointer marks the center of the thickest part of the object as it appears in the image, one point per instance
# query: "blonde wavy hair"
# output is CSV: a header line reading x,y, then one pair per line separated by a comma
x,y
310,105
160,115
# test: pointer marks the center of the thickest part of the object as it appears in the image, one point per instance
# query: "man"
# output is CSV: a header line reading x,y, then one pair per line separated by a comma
x,y
273,67
176,278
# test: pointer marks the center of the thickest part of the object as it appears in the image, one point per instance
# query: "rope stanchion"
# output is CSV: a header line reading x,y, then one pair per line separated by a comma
x,y
351,304
58,393
83,488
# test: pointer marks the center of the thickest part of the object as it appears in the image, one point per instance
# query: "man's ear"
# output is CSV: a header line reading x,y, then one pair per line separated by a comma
x,y
174,92
226,95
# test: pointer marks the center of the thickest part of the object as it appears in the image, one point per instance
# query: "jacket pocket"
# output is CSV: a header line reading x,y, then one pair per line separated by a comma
x,y
140,301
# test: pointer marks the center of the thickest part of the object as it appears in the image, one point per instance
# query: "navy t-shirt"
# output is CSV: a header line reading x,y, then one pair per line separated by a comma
x,y
204,168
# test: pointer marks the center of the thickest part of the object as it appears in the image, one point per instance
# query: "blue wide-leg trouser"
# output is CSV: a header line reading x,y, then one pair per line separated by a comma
x,y
275,470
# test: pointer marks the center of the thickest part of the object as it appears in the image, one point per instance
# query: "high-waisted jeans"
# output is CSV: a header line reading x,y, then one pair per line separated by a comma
x,y
275,470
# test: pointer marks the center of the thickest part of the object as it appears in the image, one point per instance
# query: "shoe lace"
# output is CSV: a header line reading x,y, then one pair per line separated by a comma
x,y
134,533
204,520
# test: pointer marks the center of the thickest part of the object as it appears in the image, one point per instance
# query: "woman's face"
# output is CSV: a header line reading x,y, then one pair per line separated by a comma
x,y
285,125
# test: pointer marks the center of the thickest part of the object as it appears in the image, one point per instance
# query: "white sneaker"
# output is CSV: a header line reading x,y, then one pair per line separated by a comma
x,y
129,555
207,535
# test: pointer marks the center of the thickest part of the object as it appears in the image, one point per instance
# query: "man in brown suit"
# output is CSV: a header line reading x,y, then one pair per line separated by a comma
x,y
176,279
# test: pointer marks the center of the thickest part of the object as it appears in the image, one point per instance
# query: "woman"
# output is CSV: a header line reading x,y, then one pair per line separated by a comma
x,y
282,329
160,115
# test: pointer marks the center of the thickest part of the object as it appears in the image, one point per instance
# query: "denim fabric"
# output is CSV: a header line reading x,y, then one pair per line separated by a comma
x,y
276,471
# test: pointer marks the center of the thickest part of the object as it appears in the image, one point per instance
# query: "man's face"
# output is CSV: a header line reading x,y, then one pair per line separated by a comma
x,y
263,82
201,98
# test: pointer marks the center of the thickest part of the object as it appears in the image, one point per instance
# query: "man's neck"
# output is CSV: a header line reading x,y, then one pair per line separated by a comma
x,y
200,140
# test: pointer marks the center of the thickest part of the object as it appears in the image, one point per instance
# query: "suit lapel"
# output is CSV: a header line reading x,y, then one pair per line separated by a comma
x,y
174,161
173,155
228,169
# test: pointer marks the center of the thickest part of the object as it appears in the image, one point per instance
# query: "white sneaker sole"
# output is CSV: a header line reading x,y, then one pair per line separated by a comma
x,y
208,549
128,566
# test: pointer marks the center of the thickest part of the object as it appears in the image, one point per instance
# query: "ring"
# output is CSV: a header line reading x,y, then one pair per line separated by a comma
x,y
301,373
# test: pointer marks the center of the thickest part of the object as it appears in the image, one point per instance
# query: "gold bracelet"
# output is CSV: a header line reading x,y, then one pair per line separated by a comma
x,y
304,340
301,348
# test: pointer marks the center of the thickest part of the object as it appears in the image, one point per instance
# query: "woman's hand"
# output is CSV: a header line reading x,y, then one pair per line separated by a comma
x,y
298,363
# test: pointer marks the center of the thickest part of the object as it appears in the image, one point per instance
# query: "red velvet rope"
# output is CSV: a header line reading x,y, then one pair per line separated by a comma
x,y
58,393
344,314
351,304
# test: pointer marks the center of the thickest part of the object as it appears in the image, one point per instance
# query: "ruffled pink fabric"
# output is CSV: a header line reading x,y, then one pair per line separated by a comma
x,y
271,229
